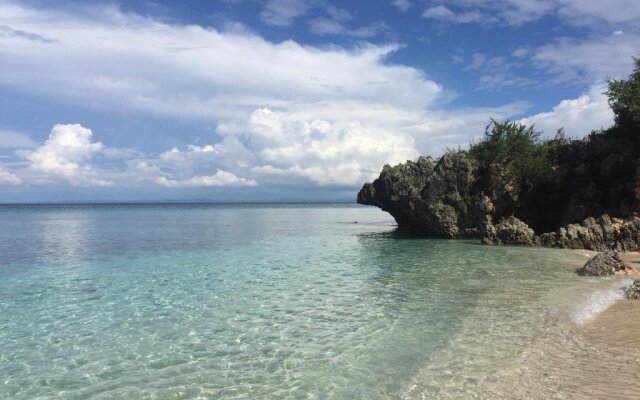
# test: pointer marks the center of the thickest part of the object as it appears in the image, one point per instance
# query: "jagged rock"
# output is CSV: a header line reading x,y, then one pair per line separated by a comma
x,y
510,231
633,293
502,188
610,165
428,197
601,234
456,196
636,189
581,203
603,264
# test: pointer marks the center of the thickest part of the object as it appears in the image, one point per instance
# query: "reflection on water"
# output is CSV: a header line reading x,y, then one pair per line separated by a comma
x,y
65,238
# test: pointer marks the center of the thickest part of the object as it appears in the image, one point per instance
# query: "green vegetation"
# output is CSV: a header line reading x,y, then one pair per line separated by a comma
x,y
530,159
519,148
624,99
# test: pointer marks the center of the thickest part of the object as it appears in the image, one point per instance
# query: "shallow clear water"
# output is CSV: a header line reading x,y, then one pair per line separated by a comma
x,y
275,301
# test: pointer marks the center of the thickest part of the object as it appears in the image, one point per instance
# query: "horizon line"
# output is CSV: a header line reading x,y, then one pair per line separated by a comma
x,y
176,202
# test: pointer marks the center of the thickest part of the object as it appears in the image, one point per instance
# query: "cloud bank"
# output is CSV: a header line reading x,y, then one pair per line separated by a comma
x,y
118,60
286,114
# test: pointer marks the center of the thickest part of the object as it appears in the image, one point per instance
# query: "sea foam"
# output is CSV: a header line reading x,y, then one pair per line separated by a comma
x,y
599,301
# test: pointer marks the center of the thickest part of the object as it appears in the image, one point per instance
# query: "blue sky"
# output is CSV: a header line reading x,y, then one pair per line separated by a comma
x,y
267,100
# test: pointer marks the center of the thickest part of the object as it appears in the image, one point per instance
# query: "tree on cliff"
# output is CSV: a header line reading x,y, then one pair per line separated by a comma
x,y
624,99
518,147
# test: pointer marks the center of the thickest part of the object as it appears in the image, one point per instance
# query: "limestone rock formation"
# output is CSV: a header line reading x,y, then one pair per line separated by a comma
x,y
599,234
603,264
510,231
430,197
593,201
633,293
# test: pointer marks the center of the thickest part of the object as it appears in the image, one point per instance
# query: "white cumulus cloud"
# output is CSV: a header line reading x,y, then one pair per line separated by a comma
x,y
285,114
67,153
334,150
577,116
220,178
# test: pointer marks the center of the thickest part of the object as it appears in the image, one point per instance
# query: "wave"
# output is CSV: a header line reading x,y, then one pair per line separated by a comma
x,y
599,301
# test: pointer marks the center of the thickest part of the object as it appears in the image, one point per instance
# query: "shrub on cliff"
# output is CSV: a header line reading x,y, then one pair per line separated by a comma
x,y
518,147
624,99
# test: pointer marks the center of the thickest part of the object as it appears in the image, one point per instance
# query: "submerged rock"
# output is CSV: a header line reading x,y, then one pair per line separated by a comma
x,y
633,293
603,264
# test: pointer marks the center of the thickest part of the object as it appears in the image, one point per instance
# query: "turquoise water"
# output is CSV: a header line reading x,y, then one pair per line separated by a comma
x,y
270,302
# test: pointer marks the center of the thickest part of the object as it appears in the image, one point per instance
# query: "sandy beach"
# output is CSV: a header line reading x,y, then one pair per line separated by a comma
x,y
613,339
595,357
607,366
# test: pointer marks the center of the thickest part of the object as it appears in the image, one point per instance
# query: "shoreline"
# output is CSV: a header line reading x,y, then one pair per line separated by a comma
x,y
611,338
604,355
586,347
633,259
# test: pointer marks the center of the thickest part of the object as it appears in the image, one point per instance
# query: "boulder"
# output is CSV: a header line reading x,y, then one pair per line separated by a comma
x,y
633,293
510,231
603,264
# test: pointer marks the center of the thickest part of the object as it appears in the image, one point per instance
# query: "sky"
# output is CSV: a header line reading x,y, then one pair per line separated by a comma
x,y
284,100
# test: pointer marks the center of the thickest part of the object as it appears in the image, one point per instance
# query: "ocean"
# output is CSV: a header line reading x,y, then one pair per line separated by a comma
x,y
283,301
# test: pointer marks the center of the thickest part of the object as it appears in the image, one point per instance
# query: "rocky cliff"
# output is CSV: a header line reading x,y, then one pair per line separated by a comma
x,y
515,187
592,200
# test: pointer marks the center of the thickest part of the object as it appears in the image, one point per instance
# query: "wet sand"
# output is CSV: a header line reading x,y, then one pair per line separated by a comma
x,y
607,366
599,359
633,259
602,360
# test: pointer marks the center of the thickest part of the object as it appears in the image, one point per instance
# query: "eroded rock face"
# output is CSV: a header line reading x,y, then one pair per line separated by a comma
x,y
601,234
455,197
510,231
603,264
431,198
634,291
